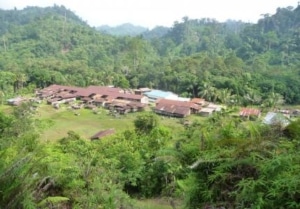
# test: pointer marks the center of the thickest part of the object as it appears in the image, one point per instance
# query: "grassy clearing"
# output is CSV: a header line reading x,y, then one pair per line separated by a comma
x,y
57,122
86,124
5,108
155,204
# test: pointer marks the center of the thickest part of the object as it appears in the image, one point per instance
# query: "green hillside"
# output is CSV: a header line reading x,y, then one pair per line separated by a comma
x,y
248,61
223,161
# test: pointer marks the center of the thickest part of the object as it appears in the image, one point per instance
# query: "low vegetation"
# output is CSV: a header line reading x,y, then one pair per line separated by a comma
x,y
222,161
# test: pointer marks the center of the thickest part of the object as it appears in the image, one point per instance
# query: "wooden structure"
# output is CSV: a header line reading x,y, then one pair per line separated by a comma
x,y
102,134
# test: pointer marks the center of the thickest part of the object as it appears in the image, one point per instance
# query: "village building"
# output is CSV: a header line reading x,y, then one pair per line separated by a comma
x,y
273,118
206,112
209,108
215,107
109,97
15,101
172,110
141,91
199,101
295,113
175,108
154,95
102,134
250,113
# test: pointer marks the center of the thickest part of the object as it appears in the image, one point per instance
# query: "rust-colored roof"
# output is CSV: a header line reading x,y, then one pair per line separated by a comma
x,y
54,99
103,89
86,99
136,104
129,96
178,103
173,109
99,100
108,93
249,112
198,100
102,134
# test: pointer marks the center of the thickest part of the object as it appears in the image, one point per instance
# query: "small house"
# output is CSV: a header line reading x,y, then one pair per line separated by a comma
x,y
15,101
206,111
102,134
172,110
273,118
250,113
199,101
154,95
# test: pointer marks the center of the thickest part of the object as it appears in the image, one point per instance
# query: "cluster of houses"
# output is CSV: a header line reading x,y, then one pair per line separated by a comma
x,y
125,101
91,97
276,117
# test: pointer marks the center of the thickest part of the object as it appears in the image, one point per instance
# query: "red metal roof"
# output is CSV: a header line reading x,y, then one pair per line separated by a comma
x,y
249,112
109,92
178,103
102,134
198,101
173,109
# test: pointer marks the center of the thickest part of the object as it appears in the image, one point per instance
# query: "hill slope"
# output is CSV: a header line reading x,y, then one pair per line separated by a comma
x,y
253,63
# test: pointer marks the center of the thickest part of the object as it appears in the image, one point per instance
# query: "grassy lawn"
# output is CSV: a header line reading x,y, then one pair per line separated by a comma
x,y
86,123
57,122
5,108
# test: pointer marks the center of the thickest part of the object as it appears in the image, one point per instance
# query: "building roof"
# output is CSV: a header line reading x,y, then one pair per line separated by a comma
x,y
275,118
159,94
128,96
102,134
145,89
215,107
249,112
17,99
172,109
199,101
207,110
178,103
109,93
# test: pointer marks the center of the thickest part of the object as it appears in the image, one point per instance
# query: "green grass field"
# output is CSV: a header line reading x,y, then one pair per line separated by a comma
x,y
87,123
57,122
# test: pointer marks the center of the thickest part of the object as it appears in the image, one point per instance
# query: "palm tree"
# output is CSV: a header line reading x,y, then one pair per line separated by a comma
x,y
224,96
209,92
273,100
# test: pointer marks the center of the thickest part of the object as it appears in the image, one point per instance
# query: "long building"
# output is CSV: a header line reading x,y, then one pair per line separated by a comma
x,y
175,108
98,94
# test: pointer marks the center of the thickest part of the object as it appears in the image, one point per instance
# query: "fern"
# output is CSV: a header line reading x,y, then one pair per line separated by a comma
x,y
53,200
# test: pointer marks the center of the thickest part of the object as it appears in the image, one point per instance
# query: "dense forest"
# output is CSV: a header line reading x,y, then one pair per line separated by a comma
x,y
222,163
232,61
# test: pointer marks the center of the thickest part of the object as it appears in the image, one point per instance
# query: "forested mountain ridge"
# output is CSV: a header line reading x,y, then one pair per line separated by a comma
x,y
232,61
56,49
14,17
